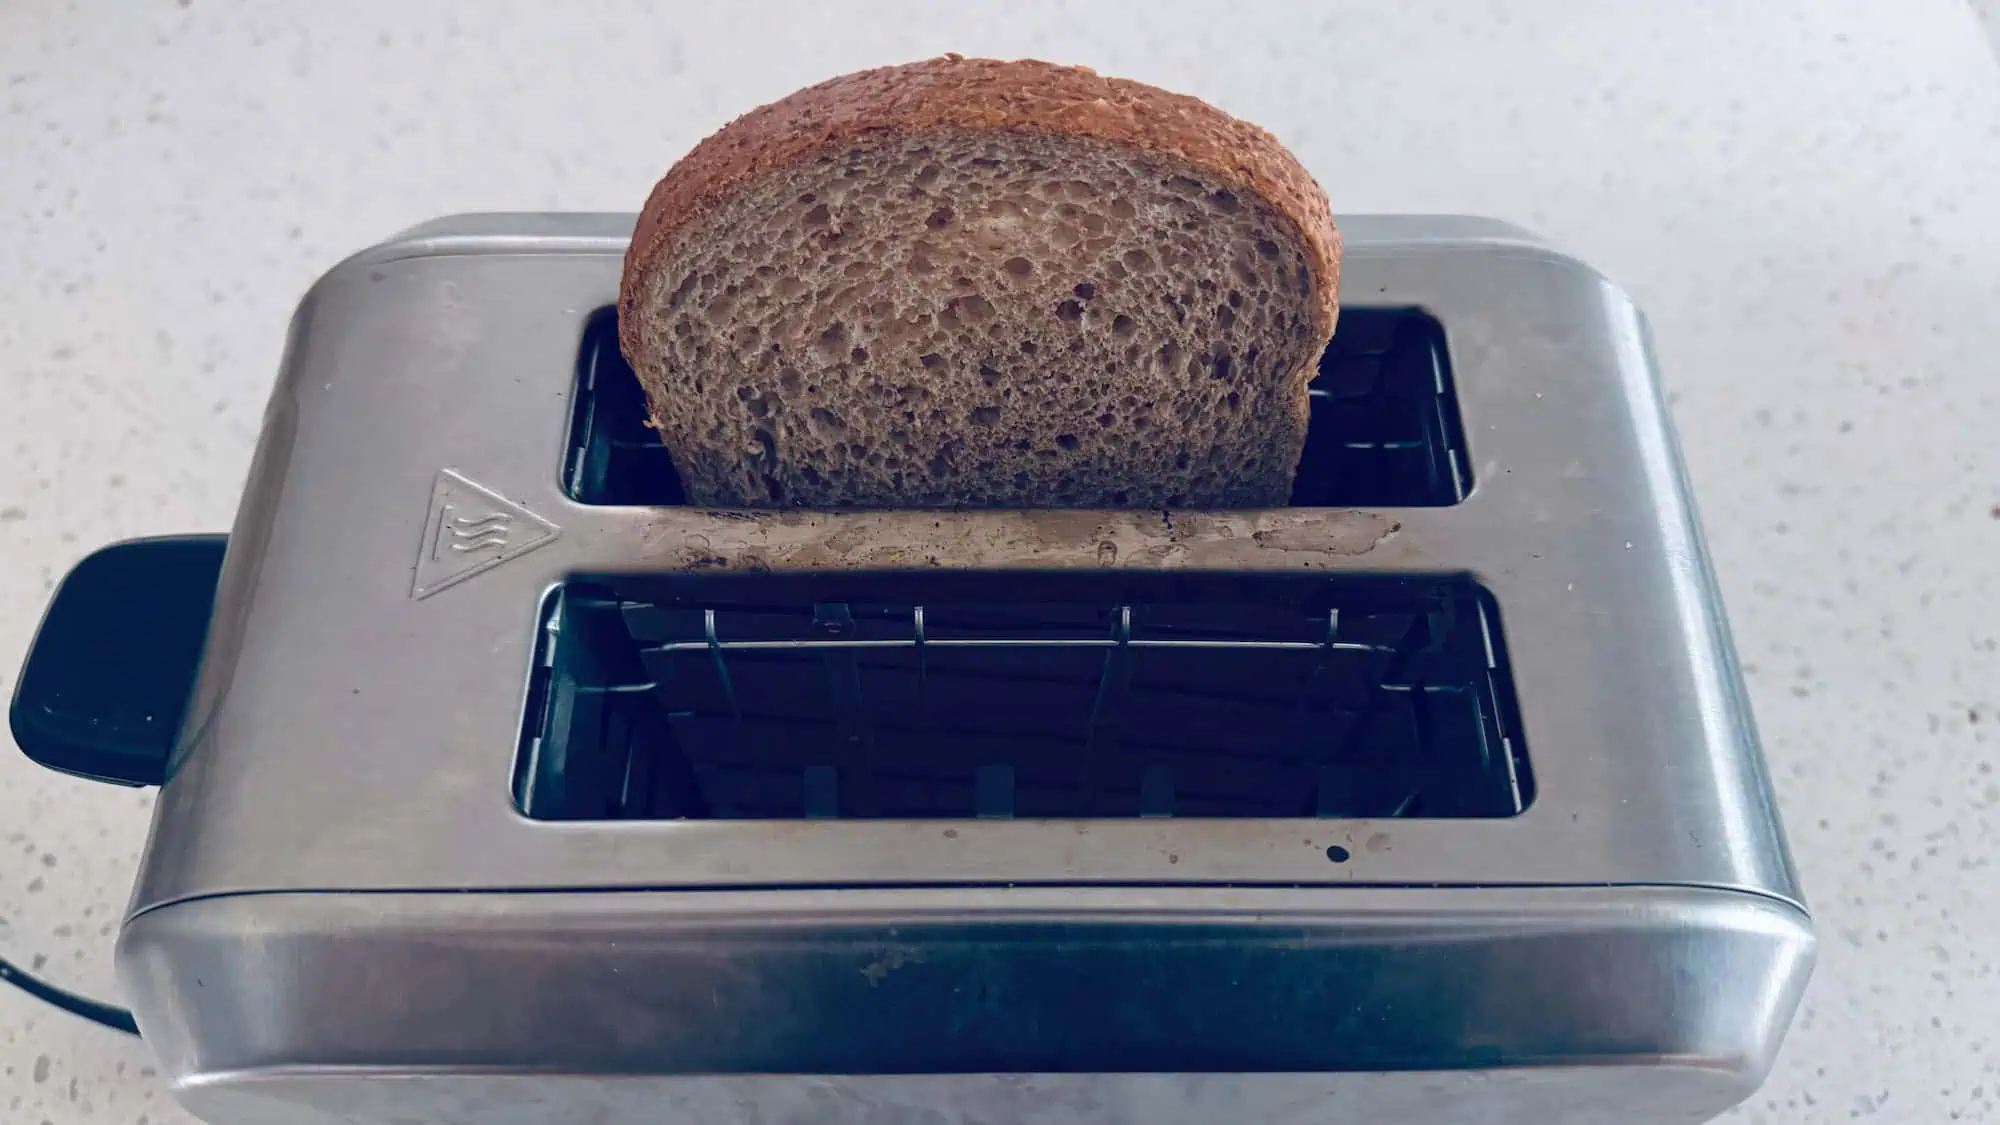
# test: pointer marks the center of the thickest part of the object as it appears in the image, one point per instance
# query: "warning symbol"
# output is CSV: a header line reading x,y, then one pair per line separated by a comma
x,y
471,530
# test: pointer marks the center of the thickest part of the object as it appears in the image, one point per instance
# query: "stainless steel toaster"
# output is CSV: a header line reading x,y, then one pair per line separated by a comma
x,y
502,786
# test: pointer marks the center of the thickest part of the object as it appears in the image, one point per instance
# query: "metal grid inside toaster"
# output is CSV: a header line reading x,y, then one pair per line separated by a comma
x,y
1224,697
1384,431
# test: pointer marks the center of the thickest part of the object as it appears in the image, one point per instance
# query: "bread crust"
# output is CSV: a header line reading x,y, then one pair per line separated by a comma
x,y
954,93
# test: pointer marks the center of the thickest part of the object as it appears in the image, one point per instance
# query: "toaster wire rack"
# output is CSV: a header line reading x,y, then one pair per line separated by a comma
x,y
1361,697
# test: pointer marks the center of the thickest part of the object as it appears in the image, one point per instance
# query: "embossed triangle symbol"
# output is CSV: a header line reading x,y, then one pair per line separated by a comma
x,y
471,530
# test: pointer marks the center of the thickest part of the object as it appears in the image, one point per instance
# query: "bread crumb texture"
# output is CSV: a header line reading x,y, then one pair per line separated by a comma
x,y
976,283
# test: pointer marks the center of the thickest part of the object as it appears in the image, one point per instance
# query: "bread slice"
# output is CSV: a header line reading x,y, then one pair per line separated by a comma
x,y
966,282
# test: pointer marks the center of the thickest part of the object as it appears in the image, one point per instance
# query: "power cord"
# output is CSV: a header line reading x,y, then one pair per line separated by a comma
x,y
115,1018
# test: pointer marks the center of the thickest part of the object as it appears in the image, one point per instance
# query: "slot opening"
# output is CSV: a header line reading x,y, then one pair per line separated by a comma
x,y
982,696
1385,429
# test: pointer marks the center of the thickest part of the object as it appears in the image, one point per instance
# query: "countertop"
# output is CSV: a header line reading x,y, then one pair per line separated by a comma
x,y
1800,193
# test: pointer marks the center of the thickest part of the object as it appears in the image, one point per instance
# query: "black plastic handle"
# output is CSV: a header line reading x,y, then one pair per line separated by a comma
x,y
109,678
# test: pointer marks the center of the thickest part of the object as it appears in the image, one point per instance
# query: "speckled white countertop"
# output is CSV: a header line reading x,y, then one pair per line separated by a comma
x,y
1803,194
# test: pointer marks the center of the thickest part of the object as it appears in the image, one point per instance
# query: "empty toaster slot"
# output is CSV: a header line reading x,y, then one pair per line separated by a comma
x,y
1385,431
976,695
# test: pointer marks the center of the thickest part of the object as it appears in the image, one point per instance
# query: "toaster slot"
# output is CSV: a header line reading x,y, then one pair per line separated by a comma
x,y
1385,429
973,695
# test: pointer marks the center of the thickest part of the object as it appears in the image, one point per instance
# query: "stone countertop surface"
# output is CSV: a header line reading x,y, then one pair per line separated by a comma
x,y
1802,194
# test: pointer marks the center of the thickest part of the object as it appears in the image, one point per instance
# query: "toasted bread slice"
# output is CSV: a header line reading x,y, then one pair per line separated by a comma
x,y
966,282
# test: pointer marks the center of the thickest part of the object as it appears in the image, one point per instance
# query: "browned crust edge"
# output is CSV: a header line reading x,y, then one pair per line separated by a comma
x,y
957,93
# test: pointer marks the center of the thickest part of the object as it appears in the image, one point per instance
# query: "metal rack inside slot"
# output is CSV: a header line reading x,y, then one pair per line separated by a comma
x,y
1347,697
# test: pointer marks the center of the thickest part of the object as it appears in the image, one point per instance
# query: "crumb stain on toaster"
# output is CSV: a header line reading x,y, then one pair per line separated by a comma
x,y
762,542
1356,534
888,961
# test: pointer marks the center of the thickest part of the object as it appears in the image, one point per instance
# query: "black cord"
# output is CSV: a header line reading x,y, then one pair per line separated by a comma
x,y
115,1018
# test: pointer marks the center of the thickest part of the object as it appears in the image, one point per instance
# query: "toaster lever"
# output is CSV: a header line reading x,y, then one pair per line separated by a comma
x,y
108,679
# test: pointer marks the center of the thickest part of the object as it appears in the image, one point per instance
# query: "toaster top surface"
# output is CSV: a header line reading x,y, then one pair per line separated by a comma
x,y
414,532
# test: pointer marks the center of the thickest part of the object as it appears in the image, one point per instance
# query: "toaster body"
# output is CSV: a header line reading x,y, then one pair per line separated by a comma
x,y
514,789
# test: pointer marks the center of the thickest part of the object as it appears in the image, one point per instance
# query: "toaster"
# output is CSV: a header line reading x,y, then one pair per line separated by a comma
x,y
499,784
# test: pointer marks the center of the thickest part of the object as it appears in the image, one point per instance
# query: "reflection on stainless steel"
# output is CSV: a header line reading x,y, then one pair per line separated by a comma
x,y
1453,986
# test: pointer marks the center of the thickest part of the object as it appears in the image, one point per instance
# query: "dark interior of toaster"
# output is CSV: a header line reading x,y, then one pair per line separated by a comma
x,y
975,695
1384,433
